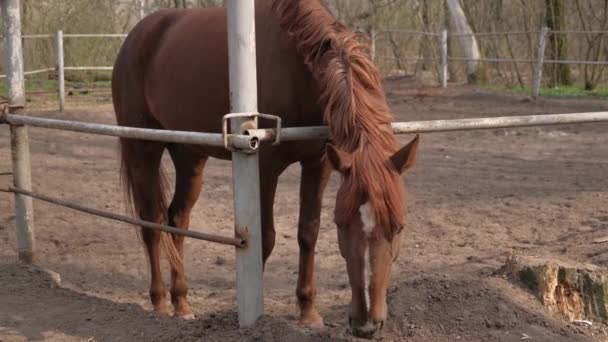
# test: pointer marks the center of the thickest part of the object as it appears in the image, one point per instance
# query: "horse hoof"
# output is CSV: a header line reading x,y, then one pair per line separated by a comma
x,y
312,323
187,317
162,311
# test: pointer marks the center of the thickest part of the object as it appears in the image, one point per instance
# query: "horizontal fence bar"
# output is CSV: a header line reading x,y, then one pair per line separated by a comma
x,y
509,60
406,59
396,30
36,36
523,60
379,31
68,91
39,71
133,221
92,68
315,133
554,61
242,142
95,35
578,32
479,34
33,72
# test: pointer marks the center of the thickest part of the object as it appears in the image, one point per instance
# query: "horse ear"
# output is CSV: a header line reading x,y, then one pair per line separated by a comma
x,y
340,160
405,158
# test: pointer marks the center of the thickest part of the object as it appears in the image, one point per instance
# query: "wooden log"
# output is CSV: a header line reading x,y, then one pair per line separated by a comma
x,y
578,291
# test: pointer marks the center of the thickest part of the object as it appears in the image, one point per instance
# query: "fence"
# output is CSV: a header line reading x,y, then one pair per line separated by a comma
x,y
537,61
443,60
243,142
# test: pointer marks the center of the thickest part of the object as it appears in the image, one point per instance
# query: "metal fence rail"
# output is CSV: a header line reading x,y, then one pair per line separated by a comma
x,y
237,242
432,126
94,35
241,142
90,68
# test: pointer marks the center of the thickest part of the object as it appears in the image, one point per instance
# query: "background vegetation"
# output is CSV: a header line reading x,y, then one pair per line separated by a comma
x,y
396,52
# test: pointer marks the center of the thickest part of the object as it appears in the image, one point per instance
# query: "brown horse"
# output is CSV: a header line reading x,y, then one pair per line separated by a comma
x,y
172,73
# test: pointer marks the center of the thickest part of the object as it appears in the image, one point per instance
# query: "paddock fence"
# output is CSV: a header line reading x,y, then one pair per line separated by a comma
x,y
441,59
523,51
243,140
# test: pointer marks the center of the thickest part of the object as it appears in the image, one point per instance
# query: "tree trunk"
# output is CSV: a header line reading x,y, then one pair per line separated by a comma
x,y
468,43
425,41
446,24
555,20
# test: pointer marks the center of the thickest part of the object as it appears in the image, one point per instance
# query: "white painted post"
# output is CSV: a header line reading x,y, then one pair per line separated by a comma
x,y
24,212
13,52
538,68
372,47
60,70
245,167
444,58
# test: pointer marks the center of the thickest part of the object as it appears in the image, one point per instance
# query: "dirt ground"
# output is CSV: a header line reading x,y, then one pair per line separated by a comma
x,y
474,196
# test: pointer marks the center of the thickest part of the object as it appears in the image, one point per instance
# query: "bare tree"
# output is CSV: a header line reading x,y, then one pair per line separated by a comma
x,y
468,43
555,20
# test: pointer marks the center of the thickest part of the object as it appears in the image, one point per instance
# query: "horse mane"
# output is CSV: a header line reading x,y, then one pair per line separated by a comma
x,y
354,105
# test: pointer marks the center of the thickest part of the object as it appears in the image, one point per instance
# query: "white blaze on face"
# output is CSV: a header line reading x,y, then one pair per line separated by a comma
x,y
369,222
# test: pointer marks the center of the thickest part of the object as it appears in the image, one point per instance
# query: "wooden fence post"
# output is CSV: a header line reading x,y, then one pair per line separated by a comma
x,y
60,70
20,150
540,58
13,52
22,178
444,58
245,167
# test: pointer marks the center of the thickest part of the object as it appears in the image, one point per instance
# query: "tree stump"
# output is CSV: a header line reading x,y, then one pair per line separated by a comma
x,y
576,290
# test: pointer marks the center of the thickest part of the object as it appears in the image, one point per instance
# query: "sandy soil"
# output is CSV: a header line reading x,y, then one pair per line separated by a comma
x,y
474,196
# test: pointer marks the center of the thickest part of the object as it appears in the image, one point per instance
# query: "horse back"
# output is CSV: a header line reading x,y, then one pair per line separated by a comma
x,y
173,67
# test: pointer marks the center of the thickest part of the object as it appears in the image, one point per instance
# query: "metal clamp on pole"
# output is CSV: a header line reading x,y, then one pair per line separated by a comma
x,y
227,117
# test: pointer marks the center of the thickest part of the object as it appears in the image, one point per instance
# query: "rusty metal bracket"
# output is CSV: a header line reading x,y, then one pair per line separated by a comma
x,y
255,116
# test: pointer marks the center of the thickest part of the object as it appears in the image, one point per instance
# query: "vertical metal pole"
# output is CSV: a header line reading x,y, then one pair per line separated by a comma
x,y
538,68
13,54
60,70
22,178
372,47
444,58
245,167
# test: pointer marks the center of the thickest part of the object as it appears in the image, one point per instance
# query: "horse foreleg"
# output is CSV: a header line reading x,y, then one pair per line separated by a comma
x,y
314,178
269,177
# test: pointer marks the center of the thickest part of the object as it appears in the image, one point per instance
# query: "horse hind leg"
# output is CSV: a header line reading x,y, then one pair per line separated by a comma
x,y
188,183
142,174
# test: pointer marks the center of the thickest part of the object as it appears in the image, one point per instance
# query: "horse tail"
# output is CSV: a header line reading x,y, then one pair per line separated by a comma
x,y
145,187
142,175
